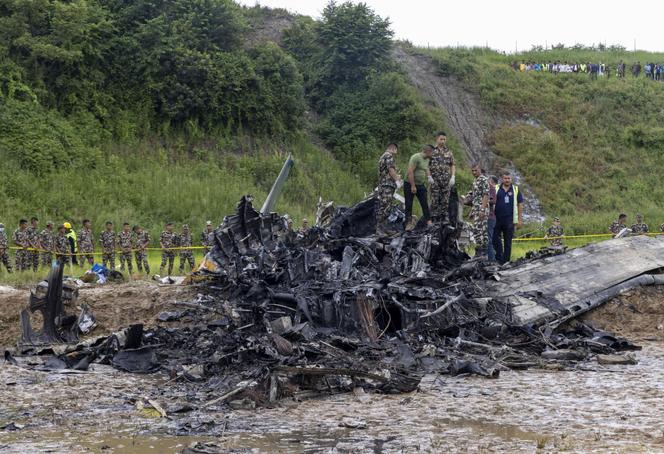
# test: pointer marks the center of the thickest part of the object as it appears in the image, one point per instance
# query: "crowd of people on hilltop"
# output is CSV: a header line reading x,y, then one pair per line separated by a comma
x,y
654,71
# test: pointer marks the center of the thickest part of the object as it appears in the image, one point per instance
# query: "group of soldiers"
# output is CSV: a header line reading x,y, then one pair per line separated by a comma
x,y
436,166
37,247
638,228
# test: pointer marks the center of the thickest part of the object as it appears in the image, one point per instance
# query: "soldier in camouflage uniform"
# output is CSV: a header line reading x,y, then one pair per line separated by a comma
x,y
35,245
443,169
207,237
617,226
126,241
389,181
108,240
62,247
47,239
86,243
4,247
142,242
555,232
167,240
478,198
21,239
639,228
186,255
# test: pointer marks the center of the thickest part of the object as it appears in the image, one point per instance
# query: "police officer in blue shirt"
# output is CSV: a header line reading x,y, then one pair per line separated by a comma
x,y
508,209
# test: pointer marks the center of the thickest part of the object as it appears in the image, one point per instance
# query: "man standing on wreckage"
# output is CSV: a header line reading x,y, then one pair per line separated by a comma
x,y
443,170
389,181
478,198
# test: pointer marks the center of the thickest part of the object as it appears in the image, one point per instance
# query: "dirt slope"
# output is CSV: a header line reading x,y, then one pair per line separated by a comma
x,y
464,115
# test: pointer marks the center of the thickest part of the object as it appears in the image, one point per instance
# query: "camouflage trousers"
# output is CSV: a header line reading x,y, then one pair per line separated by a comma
x,y
186,257
87,257
557,242
64,259
440,199
126,257
21,260
142,261
480,232
46,259
4,258
167,256
108,259
33,260
385,197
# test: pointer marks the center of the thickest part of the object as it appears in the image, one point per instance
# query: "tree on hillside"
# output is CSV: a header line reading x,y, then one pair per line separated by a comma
x,y
353,83
60,46
354,41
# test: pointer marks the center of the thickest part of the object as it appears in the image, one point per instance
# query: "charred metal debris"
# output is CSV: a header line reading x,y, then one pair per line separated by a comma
x,y
282,313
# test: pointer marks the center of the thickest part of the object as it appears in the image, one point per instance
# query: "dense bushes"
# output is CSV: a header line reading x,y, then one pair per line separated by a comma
x,y
363,100
182,58
40,140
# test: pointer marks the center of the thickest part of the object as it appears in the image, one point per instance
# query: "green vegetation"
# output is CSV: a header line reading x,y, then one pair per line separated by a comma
x,y
151,111
156,110
588,148
363,100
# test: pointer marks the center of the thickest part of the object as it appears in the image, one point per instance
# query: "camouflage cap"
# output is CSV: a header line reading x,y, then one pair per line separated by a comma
x,y
2,226
208,223
185,226
638,216
556,219
49,223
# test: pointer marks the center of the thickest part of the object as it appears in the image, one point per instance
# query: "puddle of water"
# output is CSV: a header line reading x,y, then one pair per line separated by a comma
x,y
504,431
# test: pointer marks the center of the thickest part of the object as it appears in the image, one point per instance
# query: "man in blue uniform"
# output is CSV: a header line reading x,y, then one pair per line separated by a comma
x,y
508,209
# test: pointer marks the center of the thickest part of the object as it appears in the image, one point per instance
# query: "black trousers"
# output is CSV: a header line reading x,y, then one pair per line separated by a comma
x,y
504,230
72,247
421,196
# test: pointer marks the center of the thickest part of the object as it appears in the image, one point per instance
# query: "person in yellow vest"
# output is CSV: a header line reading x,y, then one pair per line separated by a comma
x,y
71,237
509,216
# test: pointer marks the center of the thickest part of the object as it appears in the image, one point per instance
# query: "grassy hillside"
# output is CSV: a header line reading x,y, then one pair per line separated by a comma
x,y
171,110
149,111
589,148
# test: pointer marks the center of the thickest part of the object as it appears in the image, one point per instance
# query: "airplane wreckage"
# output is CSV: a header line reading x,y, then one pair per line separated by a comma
x,y
286,314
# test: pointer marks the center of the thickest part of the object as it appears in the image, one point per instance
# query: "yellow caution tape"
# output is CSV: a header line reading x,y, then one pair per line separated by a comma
x,y
568,237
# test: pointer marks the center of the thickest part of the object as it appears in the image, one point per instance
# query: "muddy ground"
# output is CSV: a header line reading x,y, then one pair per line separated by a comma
x,y
591,409
114,305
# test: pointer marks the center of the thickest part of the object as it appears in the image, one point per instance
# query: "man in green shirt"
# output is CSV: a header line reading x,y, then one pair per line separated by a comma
x,y
417,177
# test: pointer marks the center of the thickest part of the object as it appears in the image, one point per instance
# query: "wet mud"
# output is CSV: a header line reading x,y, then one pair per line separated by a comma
x,y
592,409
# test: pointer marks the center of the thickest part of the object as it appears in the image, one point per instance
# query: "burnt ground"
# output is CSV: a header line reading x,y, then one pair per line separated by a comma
x,y
114,305
635,315
589,409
